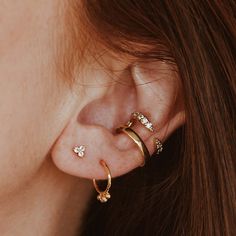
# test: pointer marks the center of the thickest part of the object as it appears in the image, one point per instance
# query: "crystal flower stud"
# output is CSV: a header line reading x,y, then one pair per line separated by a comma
x,y
79,150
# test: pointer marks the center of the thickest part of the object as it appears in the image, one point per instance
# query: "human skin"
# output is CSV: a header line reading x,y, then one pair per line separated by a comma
x,y
32,97
38,112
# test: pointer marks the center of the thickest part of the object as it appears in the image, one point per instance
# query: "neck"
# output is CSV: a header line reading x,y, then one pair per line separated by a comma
x,y
53,203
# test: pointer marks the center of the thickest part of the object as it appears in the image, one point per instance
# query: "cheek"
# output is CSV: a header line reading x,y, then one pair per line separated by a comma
x,y
32,99
33,112
31,119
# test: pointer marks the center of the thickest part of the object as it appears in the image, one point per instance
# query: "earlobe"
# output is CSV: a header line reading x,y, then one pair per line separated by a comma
x,y
100,145
154,95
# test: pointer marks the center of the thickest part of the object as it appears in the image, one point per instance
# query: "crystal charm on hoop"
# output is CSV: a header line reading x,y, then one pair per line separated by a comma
x,y
158,145
79,150
104,196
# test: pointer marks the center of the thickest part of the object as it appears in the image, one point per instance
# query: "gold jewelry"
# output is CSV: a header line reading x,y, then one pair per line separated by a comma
x,y
103,196
158,145
79,150
139,142
142,119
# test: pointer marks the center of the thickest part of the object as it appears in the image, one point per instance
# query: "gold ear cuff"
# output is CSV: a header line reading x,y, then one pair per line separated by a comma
x,y
136,138
138,141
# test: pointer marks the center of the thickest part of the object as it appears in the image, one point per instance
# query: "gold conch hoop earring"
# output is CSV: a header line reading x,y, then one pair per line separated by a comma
x,y
103,196
138,141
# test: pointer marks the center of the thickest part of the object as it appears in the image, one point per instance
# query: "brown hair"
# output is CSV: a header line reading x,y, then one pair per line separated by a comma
x,y
190,188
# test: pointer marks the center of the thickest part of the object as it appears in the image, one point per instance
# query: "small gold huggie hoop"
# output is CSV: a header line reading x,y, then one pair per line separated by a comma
x,y
103,196
142,119
138,141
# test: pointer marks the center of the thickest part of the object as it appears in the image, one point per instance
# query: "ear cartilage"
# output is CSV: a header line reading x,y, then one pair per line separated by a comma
x,y
142,119
158,145
79,150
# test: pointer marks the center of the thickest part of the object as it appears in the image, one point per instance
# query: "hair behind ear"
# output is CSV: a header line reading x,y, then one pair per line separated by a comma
x,y
200,38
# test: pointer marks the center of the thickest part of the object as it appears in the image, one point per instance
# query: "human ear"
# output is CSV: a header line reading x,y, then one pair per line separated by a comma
x,y
154,89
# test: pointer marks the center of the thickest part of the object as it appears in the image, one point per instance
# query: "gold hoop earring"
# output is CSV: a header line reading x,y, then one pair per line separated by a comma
x,y
138,141
103,196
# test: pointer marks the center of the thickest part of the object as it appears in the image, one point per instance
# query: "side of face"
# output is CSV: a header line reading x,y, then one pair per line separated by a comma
x,y
35,102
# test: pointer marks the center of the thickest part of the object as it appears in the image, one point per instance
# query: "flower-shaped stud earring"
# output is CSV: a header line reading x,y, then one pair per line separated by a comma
x,y
79,150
